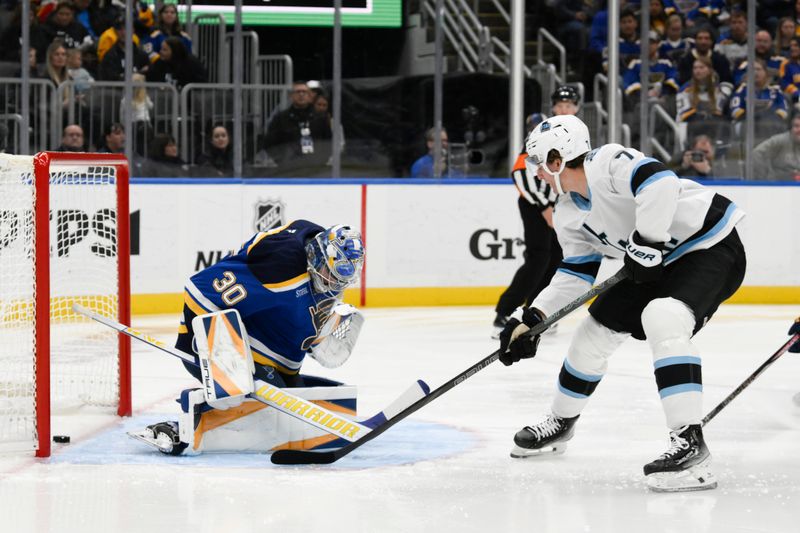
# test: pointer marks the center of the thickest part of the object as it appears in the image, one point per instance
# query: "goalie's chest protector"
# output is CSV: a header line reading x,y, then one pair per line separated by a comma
x,y
275,299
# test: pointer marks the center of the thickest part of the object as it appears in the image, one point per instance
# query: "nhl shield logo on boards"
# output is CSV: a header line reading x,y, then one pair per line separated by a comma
x,y
270,214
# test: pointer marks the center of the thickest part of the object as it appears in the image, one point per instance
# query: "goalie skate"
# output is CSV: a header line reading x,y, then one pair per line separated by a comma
x,y
163,436
685,466
548,437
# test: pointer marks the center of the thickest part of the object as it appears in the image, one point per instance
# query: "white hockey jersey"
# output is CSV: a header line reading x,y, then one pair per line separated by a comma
x,y
628,191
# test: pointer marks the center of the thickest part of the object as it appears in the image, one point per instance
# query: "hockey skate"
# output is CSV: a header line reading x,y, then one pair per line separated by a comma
x,y
685,466
545,438
163,436
500,322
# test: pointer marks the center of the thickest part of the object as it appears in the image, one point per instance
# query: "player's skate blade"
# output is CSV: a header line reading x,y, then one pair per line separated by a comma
x,y
162,436
548,437
698,477
685,466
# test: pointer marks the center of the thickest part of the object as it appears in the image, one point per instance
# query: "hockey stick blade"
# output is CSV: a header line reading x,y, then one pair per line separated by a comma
x,y
746,383
301,457
277,398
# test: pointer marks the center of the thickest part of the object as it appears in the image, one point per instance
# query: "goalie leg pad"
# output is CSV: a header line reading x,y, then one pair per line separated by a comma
x,y
255,427
668,325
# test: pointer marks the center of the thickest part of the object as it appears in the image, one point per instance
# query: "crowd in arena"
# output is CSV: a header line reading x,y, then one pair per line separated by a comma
x,y
697,67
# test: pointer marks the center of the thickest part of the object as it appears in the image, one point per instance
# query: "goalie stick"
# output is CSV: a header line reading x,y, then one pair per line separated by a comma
x,y
281,399
300,457
746,383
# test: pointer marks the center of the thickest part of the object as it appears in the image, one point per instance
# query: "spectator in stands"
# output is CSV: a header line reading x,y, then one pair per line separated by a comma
x,y
698,160
628,39
790,83
56,68
72,139
163,160
112,66
733,44
703,47
113,139
10,43
218,156
770,109
110,37
783,36
140,108
298,136
423,167
663,76
573,19
33,66
702,101
83,16
167,25
674,45
776,64
79,75
770,13
658,17
176,65
61,25
780,154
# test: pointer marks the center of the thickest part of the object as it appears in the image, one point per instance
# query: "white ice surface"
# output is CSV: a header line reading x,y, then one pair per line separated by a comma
x,y
447,467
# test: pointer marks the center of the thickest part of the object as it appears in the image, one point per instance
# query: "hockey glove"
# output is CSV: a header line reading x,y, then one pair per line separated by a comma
x,y
792,331
643,259
514,344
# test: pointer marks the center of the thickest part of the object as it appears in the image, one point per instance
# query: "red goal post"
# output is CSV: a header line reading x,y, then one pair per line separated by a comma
x,y
64,238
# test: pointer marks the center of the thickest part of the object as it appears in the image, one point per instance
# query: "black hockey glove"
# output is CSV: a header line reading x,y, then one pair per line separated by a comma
x,y
795,348
514,344
643,259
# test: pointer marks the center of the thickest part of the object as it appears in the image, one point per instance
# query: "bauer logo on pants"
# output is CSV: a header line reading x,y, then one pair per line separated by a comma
x,y
270,214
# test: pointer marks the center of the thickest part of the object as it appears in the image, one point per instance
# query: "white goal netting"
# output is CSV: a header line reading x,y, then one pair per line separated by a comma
x,y
84,363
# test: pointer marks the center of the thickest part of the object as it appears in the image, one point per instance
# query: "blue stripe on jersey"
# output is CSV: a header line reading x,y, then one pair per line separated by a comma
x,y
581,375
580,202
719,226
655,177
577,259
678,360
678,389
571,393
584,277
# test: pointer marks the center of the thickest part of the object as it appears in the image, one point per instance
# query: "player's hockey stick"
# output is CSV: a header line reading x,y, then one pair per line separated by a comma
x,y
281,399
300,457
774,357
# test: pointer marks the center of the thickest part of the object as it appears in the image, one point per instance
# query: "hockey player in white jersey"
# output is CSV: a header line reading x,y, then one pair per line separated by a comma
x,y
684,257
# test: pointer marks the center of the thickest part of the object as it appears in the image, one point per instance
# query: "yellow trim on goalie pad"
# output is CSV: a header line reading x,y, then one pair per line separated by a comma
x,y
306,444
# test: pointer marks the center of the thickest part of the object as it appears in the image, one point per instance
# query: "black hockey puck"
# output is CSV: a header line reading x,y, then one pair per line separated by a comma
x,y
62,439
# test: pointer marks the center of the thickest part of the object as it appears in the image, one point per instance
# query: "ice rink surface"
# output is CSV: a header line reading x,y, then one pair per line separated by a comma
x,y
447,467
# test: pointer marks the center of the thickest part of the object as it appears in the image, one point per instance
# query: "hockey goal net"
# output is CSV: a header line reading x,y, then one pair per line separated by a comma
x,y
64,239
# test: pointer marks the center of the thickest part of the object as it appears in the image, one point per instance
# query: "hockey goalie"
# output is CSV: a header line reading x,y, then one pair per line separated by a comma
x,y
254,316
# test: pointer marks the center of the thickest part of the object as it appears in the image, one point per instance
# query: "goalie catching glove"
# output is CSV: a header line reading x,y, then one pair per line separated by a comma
x,y
514,344
643,259
337,337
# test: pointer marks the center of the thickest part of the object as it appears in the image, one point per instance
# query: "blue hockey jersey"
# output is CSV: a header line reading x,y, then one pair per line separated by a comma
x,y
267,281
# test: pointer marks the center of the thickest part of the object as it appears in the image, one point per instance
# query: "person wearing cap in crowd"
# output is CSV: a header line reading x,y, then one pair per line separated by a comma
x,y
536,199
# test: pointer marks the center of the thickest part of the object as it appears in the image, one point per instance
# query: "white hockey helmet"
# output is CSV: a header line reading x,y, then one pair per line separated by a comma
x,y
566,134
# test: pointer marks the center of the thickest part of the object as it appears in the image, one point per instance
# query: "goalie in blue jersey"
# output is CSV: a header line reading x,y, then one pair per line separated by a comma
x,y
286,285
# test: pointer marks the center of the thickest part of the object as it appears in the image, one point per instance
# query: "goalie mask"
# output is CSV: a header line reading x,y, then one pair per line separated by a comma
x,y
566,134
335,258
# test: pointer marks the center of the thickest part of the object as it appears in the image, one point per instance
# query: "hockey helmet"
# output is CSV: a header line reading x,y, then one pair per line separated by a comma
x,y
335,258
565,93
566,134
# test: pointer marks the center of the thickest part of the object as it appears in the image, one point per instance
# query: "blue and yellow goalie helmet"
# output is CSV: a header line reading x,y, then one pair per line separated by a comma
x,y
335,258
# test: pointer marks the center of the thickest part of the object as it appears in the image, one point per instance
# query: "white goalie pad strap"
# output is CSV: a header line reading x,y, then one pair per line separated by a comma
x,y
338,336
226,363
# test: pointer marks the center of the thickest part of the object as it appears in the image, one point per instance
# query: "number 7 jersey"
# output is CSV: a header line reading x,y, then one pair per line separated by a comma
x,y
629,191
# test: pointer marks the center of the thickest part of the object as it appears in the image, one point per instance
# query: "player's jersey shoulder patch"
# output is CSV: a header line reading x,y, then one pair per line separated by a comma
x,y
591,154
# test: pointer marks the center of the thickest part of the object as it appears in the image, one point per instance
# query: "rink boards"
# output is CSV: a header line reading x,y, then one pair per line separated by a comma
x,y
455,242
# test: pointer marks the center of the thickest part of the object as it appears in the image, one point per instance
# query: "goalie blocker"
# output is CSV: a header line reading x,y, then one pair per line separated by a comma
x,y
220,417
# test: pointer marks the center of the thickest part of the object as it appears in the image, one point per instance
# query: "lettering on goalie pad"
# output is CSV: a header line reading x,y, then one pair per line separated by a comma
x,y
337,337
226,363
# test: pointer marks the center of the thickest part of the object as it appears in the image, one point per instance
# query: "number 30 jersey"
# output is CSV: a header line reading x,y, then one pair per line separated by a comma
x,y
267,281
629,191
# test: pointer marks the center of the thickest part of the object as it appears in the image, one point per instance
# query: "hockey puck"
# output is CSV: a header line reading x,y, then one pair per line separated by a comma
x,y
61,439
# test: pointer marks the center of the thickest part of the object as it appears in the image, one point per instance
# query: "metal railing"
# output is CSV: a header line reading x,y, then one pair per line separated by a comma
x,y
470,39
666,121
562,52
11,142
208,36
250,63
45,130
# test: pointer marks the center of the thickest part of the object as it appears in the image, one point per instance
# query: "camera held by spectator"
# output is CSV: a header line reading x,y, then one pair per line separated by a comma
x,y
698,160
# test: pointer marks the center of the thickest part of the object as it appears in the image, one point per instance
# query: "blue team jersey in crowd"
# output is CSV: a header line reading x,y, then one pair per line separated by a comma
x,y
268,283
769,97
